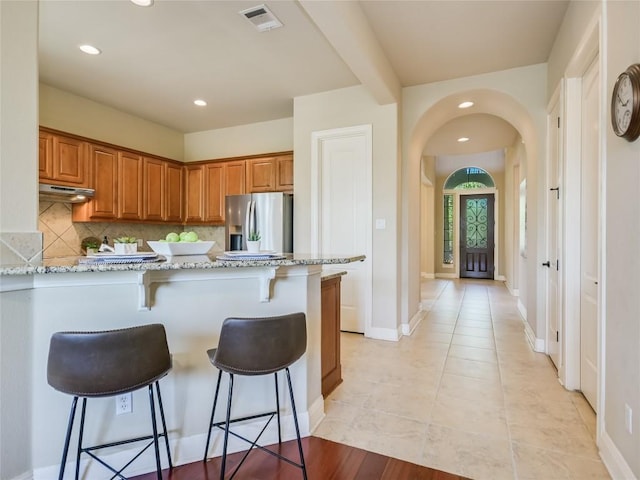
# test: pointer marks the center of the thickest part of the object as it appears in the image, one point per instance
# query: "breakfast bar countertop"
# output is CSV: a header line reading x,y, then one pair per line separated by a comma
x,y
72,265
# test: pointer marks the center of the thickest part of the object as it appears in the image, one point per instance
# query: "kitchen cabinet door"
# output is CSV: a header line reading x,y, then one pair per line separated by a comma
x,y
214,197
284,173
129,186
45,156
194,194
235,177
154,189
330,335
104,205
63,160
261,175
174,192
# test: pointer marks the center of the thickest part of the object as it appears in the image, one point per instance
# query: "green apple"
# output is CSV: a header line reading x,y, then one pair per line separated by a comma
x,y
190,237
172,237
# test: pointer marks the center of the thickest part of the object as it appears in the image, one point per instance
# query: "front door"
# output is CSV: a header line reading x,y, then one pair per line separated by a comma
x,y
476,236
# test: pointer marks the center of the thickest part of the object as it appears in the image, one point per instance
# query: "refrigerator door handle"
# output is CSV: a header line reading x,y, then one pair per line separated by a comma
x,y
252,218
247,221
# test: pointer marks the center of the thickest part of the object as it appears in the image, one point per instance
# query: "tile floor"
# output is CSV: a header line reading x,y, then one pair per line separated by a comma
x,y
464,393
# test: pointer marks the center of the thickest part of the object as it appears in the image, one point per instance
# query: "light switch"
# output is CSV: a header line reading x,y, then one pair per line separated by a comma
x,y
381,224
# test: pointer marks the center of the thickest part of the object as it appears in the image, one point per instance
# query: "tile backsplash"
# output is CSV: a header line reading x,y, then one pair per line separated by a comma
x,y
62,237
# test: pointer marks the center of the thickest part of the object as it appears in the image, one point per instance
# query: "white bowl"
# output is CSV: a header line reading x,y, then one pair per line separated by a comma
x,y
181,248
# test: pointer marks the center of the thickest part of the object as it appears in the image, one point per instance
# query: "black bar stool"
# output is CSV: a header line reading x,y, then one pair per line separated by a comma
x,y
258,346
109,363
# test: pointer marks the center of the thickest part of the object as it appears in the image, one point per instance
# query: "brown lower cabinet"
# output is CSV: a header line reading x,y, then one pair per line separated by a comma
x,y
330,335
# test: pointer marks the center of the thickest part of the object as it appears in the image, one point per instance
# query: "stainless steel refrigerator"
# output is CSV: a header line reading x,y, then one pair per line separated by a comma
x,y
270,214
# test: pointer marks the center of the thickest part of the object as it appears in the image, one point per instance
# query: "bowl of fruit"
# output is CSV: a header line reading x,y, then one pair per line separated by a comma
x,y
185,243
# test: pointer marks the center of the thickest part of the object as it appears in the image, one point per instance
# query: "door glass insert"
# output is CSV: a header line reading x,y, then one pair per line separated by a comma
x,y
477,223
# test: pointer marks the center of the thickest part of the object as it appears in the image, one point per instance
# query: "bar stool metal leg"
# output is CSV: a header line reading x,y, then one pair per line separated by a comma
x,y
226,430
80,435
295,421
164,425
154,425
213,411
67,438
278,409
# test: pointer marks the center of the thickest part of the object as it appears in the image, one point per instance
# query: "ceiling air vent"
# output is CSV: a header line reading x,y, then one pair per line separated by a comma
x,y
261,18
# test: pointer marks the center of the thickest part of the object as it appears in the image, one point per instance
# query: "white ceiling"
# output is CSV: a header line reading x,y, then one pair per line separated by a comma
x,y
155,61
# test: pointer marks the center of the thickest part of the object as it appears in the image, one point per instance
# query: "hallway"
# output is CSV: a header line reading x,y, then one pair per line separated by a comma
x,y
464,393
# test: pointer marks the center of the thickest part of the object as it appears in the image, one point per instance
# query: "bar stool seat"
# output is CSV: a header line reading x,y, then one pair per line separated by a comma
x,y
108,363
251,347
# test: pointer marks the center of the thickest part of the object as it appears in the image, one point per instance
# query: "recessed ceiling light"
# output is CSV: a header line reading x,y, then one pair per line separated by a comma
x,y
143,3
465,104
200,103
90,49
463,139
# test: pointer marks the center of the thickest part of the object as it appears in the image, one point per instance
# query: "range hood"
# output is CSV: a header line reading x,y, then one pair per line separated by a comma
x,y
60,193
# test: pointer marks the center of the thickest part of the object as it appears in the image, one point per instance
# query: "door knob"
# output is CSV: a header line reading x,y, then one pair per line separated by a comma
x,y
547,264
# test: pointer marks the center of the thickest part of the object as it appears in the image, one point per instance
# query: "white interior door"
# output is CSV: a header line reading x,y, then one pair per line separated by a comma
x,y
554,293
589,235
342,160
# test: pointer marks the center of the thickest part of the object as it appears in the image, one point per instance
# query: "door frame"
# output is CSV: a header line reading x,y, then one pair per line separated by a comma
x,y
317,139
456,227
587,51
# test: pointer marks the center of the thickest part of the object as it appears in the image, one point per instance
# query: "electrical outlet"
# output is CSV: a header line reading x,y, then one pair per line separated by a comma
x,y
140,242
628,418
124,403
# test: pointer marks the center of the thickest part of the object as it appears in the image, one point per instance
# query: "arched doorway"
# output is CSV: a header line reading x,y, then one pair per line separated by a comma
x,y
432,113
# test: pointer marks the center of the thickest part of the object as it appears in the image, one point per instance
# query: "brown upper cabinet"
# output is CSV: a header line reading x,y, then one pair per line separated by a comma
x,y
284,173
63,160
129,186
206,186
104,205
270,174
154,175
132,186
174,192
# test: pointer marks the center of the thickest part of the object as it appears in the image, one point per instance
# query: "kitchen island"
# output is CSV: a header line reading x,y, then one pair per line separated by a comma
x,y
190,297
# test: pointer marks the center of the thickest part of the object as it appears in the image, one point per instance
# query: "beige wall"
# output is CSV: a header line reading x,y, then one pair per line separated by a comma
x,y
255,138
344,108
70,113
576,19
18,214
622,237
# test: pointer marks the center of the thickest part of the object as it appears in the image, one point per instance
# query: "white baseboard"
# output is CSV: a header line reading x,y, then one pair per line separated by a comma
x,y
522,309
500,278
537,344
613,459
24,476
408,328
513,291
384,333
427,275
447,275
185,450
316,413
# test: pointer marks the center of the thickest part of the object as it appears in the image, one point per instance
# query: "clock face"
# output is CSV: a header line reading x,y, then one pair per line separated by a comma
x,y
623,104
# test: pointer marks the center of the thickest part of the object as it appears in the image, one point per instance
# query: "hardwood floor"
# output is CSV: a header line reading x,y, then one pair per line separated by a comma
x,y
325,460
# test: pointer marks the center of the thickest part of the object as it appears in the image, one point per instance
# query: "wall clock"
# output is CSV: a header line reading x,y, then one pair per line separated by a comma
x,y
625,104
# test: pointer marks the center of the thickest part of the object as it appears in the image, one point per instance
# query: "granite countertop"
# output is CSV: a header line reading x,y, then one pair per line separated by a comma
x,y
71,265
